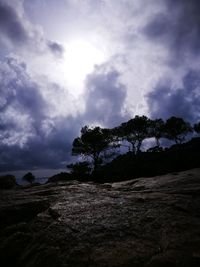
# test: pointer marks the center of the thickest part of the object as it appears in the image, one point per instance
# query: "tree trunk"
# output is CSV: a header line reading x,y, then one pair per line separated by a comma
x,y
95,161
157,141
133,147
138,146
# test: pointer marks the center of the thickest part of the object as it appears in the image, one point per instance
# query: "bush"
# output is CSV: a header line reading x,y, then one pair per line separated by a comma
x,y
29,177
7,182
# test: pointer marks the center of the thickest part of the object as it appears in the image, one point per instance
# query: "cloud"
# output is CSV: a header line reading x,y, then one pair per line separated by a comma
x,y
32,135
17,31
40,151
177,27
56,48
104,97
19,94
11,25
39,118
113,28
166,101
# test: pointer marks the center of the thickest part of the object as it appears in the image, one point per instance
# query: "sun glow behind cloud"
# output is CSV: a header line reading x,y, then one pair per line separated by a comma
x,y
80,59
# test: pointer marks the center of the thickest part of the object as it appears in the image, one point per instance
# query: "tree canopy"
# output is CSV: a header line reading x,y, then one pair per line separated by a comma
x,y
96,142
29,177
135,131
92,143
176,129
157,130
197,127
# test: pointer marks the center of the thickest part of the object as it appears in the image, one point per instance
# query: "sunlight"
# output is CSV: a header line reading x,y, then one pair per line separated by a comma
x,y
79,60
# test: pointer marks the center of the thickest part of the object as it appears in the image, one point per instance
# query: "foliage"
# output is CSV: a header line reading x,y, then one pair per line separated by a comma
x,y
197,127
7,181
92,143
29,177
135,131
80,170
157,130
176,158
99,144
176,129
60,177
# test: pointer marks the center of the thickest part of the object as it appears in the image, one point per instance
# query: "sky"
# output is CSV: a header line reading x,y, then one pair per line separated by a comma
x,y
69,63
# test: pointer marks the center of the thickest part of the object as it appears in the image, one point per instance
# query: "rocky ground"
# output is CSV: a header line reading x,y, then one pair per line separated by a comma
x,y
143,222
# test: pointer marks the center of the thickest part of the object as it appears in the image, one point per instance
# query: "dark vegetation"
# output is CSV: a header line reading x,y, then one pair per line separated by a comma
x,y
116,154
7,181
29,177
63,176
146,164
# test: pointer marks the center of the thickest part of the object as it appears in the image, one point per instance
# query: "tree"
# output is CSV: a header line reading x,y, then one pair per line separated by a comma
x,y
135,131
157,130
92,143
80,170
29,177
176,129
197,128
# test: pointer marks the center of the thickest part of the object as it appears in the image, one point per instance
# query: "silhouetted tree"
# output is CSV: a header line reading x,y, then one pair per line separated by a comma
x,y
29,177
117,134
197,128
157,130
97,143
176,129
92,143
135,131
80,169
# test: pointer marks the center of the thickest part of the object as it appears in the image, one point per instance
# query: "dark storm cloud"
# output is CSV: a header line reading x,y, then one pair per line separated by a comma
x,y
56,48
105,97
19,92
11,25
29,137
165,101
41,152
39,155
178,27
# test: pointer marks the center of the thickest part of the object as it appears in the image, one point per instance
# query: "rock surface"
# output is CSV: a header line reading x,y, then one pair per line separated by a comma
x,y
147,222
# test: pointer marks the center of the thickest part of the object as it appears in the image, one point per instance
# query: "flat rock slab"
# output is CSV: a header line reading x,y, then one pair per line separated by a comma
x,y
142,222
